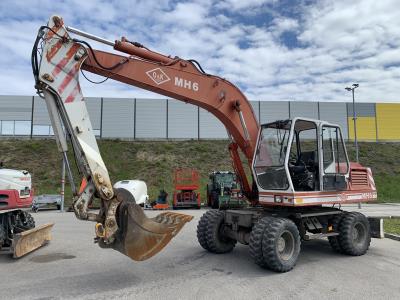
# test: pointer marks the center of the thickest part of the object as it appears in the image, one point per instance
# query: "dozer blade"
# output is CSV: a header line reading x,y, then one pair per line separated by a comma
x,y
140,237
28,241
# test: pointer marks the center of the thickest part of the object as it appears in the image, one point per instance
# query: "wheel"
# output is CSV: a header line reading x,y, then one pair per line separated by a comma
x,y
218,243
275,244
334,240
202,231
355,234
2,235
214,240
28,220
255,241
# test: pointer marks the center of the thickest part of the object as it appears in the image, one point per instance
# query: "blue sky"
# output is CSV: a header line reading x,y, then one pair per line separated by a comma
x,y
304,50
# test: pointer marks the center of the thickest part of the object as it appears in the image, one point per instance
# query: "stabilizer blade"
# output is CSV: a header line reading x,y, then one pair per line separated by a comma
x,y
30,240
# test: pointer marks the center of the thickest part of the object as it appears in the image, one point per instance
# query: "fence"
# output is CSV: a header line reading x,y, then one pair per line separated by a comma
x,y
134,118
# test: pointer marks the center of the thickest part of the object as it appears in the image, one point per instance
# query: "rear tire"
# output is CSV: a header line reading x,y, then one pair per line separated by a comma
x,y
275,244
355,234
255,241
334,240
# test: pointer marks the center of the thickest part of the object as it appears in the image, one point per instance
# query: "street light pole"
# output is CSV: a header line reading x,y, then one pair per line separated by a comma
x,y
354,86
355,125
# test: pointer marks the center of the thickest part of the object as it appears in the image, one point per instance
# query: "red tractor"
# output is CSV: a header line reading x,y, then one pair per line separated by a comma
x,y
186,182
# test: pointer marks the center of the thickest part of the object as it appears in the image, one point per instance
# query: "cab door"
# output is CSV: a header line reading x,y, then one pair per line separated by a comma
x,y
334,161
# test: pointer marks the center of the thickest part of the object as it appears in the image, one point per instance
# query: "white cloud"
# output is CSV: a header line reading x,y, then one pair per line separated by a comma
x,y
240,5
285,24
340,42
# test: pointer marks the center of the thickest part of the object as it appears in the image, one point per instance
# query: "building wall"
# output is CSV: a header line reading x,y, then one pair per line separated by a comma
x,y
388,121
366,121
168,118
118,118
182,120
273,110
151,118
210,127
335,113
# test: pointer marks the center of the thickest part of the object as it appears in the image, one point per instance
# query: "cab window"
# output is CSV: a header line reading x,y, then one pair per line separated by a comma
x,y
334,153
303,159
269,163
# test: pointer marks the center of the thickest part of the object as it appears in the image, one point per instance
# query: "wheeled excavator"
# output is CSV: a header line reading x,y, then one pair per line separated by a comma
x,y
18,232
300,171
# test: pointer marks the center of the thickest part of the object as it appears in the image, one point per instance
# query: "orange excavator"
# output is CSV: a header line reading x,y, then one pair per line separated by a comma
x,y
300,172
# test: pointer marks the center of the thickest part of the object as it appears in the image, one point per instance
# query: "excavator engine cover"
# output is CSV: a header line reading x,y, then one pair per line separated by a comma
x,y
140,237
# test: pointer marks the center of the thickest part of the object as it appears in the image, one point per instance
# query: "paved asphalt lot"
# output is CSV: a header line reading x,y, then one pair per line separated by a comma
x,y
71,266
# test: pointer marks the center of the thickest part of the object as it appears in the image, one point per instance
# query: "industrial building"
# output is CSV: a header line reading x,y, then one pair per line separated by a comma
x,y
134,118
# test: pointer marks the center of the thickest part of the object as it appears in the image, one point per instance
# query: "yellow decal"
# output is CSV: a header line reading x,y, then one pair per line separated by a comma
x,y
298,200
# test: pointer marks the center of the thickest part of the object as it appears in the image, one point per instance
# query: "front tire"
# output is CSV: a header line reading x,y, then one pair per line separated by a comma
x,y
28,220
202,231
275,244
355,234
209,233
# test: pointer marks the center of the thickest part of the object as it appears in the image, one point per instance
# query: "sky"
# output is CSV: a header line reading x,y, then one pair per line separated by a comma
x,y
304,50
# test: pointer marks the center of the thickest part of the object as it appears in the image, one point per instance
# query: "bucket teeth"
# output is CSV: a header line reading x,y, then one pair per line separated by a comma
x,y
172,218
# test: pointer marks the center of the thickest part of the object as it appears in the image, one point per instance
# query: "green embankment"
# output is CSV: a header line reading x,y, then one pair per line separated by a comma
x,y
154,162
392,226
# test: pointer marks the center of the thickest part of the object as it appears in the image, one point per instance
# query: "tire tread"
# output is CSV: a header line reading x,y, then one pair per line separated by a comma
x,y
345,239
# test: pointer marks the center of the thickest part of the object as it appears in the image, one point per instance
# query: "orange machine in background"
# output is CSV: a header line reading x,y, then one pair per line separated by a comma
x,y
186,182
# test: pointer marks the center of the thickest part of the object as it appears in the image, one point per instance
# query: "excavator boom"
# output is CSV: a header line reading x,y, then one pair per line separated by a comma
x,y
121,224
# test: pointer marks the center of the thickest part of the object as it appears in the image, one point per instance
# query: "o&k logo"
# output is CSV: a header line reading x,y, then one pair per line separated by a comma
x,y
342,197
158,76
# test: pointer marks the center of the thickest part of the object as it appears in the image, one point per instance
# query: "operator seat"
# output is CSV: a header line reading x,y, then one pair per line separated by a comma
x,y
305,172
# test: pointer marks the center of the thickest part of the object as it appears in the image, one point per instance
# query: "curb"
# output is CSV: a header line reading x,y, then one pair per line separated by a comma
x,y
392,236
385,217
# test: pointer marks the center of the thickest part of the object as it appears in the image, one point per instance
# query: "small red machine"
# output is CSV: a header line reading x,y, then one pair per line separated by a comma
x,y
18,234
186,182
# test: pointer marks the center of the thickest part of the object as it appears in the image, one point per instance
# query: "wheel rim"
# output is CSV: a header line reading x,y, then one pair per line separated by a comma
x,y
359,233
285,245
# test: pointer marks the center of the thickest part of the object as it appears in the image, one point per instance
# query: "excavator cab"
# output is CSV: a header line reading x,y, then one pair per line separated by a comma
x,y
301,155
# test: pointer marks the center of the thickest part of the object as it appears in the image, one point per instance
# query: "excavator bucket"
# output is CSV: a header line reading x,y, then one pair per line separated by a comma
x,y
30,240
140,237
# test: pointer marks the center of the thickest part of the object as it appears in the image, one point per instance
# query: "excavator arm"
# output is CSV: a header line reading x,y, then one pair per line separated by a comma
x,y
120,224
